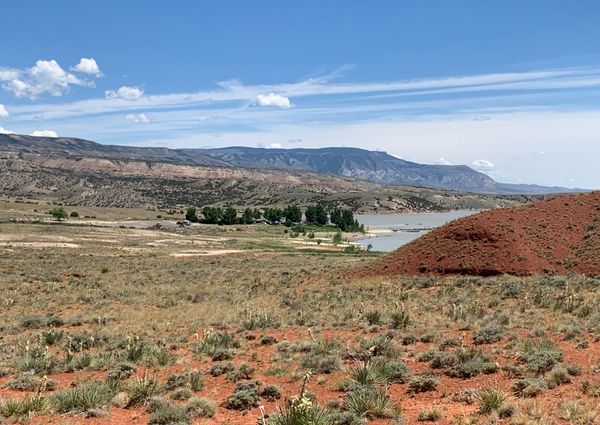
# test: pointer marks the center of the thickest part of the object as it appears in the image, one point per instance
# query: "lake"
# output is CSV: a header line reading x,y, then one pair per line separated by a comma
x,y
404,227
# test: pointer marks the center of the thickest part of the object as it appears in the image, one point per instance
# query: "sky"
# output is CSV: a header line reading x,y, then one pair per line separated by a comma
x,y
510,88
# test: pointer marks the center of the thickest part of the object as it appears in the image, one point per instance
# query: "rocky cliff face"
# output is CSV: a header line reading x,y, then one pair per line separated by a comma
x,y
376,167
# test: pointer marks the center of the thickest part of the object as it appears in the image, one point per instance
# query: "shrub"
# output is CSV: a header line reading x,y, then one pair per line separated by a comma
x,y
590,388
431,415
30,383
121,371
201,408
488,335
244,371
170,415
346,418
182,393
219,369
244,397
32,322
321,363
423,383
540,355
529,387
271,392
558,376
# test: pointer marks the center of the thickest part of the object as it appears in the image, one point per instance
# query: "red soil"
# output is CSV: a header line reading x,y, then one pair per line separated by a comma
x,y
556,235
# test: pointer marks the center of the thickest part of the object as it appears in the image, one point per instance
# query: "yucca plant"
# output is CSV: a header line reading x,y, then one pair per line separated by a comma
x,y
141,389
81,399
369,402
24,407
491,400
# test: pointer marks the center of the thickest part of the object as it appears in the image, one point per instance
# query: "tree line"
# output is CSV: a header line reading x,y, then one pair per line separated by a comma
x,y
316,215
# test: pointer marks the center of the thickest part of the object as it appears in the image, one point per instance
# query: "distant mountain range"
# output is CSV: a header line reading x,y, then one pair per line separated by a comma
x,y
376,167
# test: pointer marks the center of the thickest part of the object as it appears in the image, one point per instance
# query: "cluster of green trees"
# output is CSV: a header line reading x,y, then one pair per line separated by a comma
x,y
227,216
290,215
344,219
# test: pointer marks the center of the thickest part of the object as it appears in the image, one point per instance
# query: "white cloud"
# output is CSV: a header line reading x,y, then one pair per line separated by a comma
x,y
46,76
138,118
273,99
125,93
44,133
5,131
274,146
442,161
483,165
87,66
3,111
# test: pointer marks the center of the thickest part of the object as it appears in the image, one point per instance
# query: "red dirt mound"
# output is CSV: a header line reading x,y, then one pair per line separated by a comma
x,y
557,235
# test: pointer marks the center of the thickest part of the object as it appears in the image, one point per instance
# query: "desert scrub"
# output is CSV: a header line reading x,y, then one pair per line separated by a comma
x,y
221,368
244,371
540,355
559,375
261,320
462,363
30,383
321,363
121,371
270,392
529,387
578,413
423,383
170,415
489,334
217,345
192,380
430,415
201,408
245,397
591,388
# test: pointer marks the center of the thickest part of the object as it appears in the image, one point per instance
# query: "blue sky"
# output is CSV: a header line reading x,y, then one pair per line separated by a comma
x,y
511,88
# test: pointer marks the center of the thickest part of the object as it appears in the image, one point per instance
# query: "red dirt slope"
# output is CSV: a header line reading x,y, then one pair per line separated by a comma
x,y
557,235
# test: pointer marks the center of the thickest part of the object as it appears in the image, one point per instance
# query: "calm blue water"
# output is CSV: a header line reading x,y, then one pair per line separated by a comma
x,y
408,227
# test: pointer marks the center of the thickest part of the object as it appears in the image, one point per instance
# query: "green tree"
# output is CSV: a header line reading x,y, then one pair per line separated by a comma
x,y
248,216
316,214
191,215
292,215
344,219
273,214
59,213
229,216
212,215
